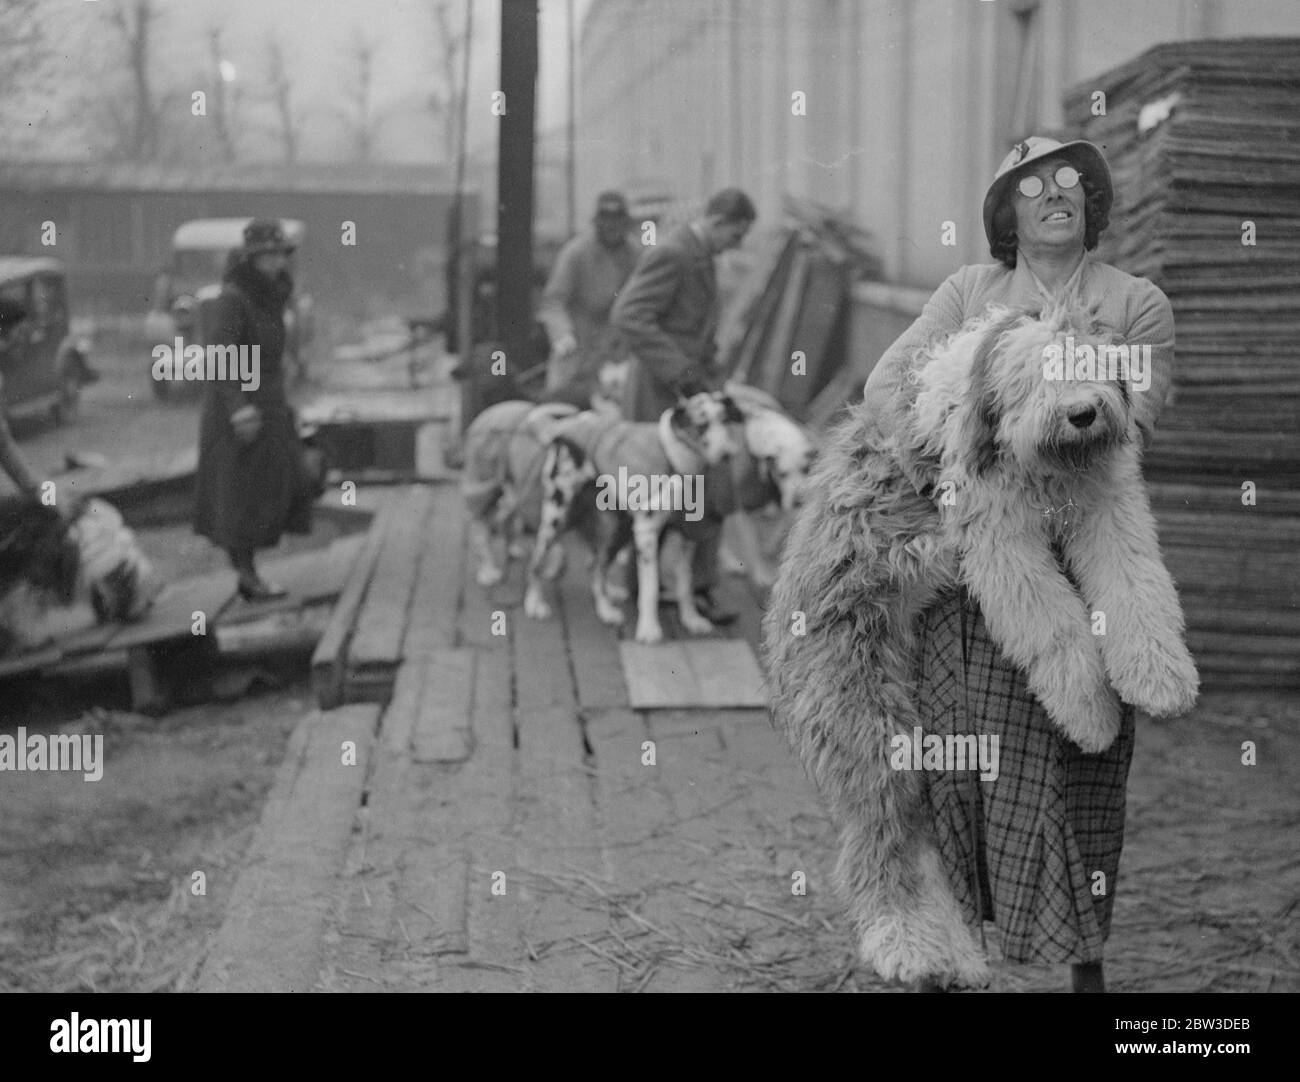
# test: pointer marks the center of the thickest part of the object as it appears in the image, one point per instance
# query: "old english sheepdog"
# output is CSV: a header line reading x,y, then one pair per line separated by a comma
x,y
1026,488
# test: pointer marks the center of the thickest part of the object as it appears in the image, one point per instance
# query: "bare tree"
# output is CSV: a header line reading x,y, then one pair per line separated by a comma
x,y
23,48
360,97
224,95
288,121
26,62
135,21
445,98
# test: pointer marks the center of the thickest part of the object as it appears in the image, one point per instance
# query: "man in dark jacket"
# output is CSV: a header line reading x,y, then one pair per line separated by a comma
x,y
667,313
251,484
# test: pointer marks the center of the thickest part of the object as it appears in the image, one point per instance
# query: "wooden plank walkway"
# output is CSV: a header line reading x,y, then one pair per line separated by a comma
x,y
522,827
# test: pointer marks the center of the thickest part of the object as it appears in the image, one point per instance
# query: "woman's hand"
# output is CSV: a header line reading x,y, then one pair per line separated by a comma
x,y
247,423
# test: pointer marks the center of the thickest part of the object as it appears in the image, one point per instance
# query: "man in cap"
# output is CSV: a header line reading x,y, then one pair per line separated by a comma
x,y
1026,850
588,273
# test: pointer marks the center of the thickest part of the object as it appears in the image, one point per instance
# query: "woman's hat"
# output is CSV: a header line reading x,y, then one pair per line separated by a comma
x,y
265,235
1084,156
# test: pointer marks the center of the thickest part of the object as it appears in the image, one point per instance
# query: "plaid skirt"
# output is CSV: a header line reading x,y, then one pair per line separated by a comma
x,y
1022,850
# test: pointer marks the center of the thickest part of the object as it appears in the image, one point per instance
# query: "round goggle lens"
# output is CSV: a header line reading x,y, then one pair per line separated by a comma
x,y
1031,187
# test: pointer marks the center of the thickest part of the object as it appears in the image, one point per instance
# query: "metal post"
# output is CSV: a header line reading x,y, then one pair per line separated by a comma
x,y
515,180
571,134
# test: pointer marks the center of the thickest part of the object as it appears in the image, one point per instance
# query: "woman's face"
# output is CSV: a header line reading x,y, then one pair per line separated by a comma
x,y
1053,220
270,263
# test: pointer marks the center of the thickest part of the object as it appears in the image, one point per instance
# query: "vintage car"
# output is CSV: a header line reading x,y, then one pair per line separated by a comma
x,y
192,282
42,364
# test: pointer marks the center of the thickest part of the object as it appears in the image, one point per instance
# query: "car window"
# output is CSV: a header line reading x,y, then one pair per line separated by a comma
x,y
201,263
13,308
47,299
15,291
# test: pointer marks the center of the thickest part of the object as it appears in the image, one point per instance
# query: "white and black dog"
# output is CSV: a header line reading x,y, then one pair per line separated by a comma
x,y
501,480
782,452
58,576
643,477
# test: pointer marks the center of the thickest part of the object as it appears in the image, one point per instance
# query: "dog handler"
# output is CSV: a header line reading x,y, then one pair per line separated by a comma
x,y
1025,850
588,273
667,313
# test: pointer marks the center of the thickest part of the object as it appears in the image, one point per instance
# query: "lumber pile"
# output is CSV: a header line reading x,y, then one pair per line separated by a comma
x,y
1203,140
796,328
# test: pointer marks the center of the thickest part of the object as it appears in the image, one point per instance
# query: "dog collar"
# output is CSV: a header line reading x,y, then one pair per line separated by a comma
x,y
681,455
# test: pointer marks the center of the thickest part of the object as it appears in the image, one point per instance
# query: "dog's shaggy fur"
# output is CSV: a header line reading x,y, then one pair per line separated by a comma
x,y
997,467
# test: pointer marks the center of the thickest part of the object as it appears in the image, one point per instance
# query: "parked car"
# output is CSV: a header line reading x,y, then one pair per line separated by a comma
x,y
192,281
42,363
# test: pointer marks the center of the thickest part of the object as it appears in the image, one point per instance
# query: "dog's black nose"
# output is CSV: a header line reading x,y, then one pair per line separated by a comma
x,y
1082,416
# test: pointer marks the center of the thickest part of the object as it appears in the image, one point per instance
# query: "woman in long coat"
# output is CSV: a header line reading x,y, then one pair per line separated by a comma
x,y
251,485
1026,850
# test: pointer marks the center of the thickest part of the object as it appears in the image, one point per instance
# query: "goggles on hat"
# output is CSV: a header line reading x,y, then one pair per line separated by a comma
x,y
1031,186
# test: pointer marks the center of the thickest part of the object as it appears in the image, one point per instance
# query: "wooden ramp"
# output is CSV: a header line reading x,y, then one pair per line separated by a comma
x,y
161,645
711,674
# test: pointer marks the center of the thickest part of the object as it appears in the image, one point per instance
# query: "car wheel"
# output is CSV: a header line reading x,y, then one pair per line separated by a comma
x,y
69,400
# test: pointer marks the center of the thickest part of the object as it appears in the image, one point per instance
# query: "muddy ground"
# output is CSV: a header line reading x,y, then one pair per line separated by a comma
x,y
96,877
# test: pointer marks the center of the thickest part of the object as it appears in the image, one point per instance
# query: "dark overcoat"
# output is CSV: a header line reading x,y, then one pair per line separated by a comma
x,y
247,495
667,313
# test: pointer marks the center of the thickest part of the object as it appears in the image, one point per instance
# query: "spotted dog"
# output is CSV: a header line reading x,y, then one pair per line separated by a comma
x,y
781,453
501,478
588,449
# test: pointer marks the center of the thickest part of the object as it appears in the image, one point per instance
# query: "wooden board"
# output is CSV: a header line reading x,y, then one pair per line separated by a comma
x,y
704,673
172,615
316,575
327,662
360,407
432,621
270,940
442,721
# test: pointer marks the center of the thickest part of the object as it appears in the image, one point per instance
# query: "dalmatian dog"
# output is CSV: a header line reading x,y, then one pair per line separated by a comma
x,y
657,467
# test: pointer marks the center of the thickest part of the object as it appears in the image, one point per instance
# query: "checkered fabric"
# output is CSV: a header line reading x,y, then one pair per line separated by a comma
x,y
1021,850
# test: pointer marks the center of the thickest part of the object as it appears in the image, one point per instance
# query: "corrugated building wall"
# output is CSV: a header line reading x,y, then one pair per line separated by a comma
x,y
909,104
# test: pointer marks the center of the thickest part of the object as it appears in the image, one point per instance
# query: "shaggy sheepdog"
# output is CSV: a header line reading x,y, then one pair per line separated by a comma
x,y
1025,489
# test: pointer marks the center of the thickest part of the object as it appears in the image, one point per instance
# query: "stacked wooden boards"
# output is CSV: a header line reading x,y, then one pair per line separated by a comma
x,y
796,327
1203,141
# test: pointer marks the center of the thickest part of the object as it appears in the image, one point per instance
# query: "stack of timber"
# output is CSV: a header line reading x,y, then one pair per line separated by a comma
x,y
1203,140
796,328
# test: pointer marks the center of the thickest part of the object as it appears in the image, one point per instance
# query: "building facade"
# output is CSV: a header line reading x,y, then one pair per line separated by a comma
x,y
896,110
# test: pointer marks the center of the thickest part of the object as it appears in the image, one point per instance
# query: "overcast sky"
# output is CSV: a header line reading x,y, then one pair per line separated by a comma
x,y
318,34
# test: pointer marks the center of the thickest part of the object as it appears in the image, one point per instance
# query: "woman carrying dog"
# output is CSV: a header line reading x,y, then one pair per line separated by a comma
x,y
1038,851
252,485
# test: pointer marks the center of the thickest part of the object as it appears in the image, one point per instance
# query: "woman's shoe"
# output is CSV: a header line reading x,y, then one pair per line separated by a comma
x,y
257,589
